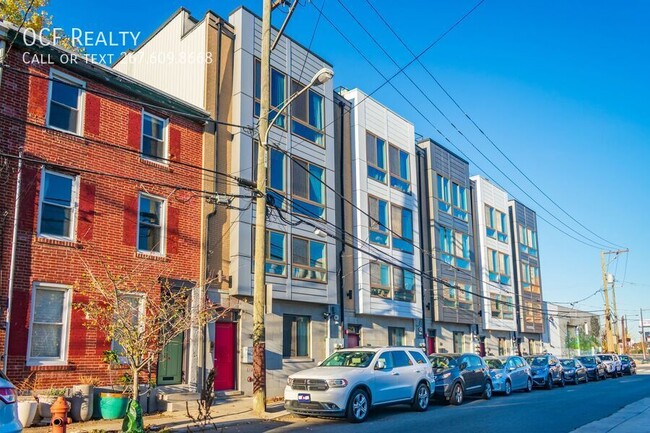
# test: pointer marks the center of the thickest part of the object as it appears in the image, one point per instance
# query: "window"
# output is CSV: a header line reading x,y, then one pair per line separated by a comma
x,y
49,324
295,334
498,267
449,297
458,344
57,205
387,357
460,295
502,230
133,305
399,169
380,282
502,346
376,157
308,188
462,251
307,119
459,196
154,140
400,288
446,239
401,359
151,226
496,223
527,240
501,306
65,108
276,175
465,298
278,94
395,336
444,200
418,356
454,247
402,228
276,252
378,224
309,260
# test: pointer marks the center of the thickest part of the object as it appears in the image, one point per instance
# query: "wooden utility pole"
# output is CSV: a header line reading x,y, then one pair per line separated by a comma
x,y
259,290
616,334
609,346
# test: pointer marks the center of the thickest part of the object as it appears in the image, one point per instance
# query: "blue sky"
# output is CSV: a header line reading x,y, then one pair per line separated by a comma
x,y
560,87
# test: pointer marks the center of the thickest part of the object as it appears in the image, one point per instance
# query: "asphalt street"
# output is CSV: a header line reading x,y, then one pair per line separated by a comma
x,y
558,410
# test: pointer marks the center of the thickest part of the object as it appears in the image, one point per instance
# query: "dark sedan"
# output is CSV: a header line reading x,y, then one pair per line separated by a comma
x,y
595,368
460,375
574,371
628,365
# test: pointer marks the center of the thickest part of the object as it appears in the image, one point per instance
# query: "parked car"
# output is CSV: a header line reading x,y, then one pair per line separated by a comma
x,y
546,370
574,371
596,369
628,365
352,381
9,422
612,364
509,373
459,375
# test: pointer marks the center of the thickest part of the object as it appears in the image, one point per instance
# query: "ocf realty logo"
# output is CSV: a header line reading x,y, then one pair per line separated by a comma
x,y
79,38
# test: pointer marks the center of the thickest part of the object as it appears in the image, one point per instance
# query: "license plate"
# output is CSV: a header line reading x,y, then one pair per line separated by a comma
x,y
304,398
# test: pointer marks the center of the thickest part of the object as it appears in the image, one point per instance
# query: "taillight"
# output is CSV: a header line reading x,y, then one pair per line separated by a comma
x,y
8,395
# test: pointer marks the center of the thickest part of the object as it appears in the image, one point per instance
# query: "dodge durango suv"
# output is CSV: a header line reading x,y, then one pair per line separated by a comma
x,y
352,381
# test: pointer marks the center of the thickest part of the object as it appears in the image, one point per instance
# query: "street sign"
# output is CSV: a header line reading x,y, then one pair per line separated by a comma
x,y
646,323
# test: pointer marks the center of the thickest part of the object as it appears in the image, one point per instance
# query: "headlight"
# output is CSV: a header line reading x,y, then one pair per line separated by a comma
x,y
337,383
290,381
446,375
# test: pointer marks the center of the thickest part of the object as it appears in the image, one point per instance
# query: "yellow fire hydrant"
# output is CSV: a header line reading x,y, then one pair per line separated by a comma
x,y
60,418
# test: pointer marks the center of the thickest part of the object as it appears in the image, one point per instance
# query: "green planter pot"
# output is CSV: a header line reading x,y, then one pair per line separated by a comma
x,y
112,405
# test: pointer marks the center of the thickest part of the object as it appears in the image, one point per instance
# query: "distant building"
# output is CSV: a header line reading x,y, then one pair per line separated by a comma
x,y
570,332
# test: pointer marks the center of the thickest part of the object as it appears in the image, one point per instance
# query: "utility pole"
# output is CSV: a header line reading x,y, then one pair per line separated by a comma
x,y
608,313
259,290
616,334
642,333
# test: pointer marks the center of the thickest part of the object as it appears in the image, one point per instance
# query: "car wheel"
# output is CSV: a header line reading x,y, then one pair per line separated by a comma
x,y
549,382
487,393
529,385
421,398
358,406
508,388
457,395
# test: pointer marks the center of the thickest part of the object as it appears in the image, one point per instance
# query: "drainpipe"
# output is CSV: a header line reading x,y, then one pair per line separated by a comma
x,y
3,50
12,264
342,207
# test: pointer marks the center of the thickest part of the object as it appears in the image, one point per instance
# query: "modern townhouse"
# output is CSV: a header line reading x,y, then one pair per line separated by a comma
x,y
452,307
385,305
301,257
528,282
491,225
110,176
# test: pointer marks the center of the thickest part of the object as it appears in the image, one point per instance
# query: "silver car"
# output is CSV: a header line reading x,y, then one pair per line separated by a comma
x,y
9,422
509,373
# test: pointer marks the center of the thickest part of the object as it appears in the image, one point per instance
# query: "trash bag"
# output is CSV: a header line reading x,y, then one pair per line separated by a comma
x,y
133,422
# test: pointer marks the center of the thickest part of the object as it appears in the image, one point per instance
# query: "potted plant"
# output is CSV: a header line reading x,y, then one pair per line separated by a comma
x,y
46,399
112,405
27,403
82,398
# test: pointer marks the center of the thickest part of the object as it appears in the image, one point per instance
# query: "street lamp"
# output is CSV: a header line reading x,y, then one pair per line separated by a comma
x,y
259,289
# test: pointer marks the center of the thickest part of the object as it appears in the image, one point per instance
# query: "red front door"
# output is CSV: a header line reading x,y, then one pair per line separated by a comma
x,y
225,340
353,340
431,345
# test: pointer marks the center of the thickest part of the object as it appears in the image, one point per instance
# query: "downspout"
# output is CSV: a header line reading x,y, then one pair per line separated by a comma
x,y
425,242
342,207
3,50
12,264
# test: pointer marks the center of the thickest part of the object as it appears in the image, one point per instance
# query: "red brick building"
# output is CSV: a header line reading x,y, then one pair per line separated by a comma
x,y
111,170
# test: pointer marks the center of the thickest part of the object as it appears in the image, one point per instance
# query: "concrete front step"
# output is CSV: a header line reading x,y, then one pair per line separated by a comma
x,y
181,401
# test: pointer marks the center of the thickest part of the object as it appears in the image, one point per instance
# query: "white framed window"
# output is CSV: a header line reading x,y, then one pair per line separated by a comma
x,y
309,259
307,115
57,205
443,194
154,144
49,324
376,157
133,307
308,188
278,94
151,224
65,102
400,177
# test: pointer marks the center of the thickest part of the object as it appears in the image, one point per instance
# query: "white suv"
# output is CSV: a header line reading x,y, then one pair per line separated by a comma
x,y
351,381
612,364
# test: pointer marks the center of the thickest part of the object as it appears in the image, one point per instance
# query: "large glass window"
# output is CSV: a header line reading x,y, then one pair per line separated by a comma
x,y
151,226
462,250
65,102
402,228
446,239
459,196
276,253
154,141
400,286
380,283
278,94
378,224
459,295
496,223
58,205
501,306
498,267
308,189
295,341
403,285
277,177
376,157
454,248
395,336
309,259
399,169
49,324
527,240
443,193
307,116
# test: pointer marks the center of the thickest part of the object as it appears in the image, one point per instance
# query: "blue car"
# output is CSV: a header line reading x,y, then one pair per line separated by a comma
x,y
546,370
509,373
9,422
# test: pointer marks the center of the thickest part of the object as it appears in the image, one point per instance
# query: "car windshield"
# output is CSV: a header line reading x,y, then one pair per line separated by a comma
x,y
441,361
606,357
624,358
587,360
538,361
494,364
568,363
359,359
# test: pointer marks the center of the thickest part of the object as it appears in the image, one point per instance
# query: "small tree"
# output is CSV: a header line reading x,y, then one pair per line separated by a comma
x,y
140,314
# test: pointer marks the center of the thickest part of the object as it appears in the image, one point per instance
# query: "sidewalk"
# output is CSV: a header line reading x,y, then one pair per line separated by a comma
x,y
225,413
633,418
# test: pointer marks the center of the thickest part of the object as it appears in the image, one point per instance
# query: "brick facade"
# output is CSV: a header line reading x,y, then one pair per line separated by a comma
x,y
106,160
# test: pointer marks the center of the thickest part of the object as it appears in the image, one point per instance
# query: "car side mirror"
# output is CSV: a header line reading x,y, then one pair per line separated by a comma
x,y
512,368
380,365
463,366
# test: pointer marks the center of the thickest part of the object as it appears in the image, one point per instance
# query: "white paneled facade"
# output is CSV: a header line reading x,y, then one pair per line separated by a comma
x,y
387,258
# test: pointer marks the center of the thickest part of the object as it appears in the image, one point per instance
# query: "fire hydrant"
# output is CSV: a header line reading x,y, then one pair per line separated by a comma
x,y
60,418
